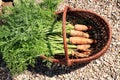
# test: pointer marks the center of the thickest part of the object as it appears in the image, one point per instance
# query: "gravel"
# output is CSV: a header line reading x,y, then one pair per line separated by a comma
x,y
107,67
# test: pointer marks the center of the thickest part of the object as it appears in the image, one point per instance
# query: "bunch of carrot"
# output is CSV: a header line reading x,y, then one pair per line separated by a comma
x,y
78,41
82,40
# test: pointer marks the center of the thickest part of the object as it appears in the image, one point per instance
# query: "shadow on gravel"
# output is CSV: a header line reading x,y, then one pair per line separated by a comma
x,y
56,69
4,72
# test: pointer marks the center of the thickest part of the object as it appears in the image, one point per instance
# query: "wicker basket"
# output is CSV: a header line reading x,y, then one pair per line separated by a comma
x,y
101,32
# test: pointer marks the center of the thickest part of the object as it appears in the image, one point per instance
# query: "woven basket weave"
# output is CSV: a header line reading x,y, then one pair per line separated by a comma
x,y
101,32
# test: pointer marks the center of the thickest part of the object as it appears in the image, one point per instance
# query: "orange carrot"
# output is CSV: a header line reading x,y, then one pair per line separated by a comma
x,y
87,52
79,33
83,47
77,54
81,40
80,27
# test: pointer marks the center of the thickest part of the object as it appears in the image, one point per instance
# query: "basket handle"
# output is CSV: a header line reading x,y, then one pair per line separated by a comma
x,y
68,62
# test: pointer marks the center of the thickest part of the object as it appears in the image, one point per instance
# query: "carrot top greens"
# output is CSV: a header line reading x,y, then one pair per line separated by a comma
x,y
25,33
